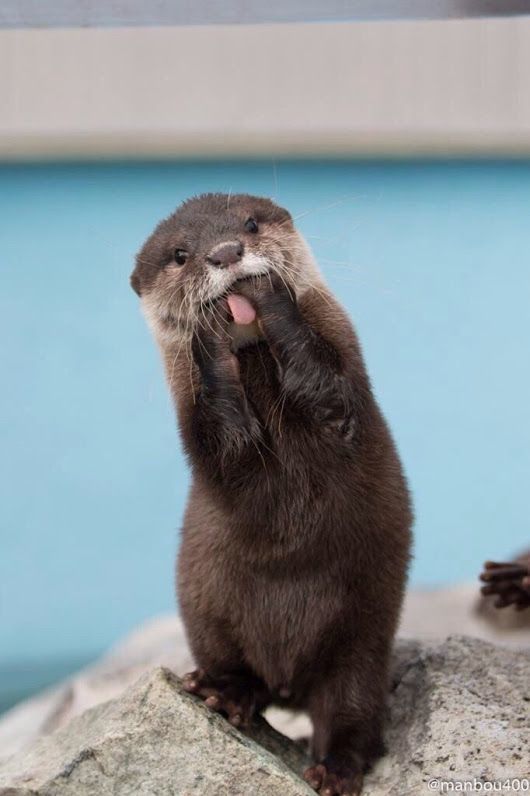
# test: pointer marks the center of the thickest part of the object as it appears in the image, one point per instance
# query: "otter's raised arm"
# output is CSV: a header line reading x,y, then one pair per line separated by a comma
x,y
225,430
312,371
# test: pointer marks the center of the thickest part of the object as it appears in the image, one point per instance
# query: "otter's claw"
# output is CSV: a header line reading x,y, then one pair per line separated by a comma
x,y
330,780
236,697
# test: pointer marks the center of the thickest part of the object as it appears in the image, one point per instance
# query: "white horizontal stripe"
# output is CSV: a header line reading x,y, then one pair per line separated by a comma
x,y
337,89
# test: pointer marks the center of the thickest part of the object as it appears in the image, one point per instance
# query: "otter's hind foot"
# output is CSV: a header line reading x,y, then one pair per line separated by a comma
x,y
238,697
329,778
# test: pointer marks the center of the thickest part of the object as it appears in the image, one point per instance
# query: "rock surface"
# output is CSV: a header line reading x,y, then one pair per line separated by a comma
x,y
458,709
155,739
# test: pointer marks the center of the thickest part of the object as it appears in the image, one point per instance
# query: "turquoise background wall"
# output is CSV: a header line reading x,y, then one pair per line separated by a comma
x,y
430,259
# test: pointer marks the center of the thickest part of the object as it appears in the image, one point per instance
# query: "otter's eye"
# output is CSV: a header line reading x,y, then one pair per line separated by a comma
x,y
251,225
181,255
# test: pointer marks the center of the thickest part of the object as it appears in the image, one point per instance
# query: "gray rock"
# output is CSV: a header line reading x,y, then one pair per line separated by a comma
x,y
155,740
458,710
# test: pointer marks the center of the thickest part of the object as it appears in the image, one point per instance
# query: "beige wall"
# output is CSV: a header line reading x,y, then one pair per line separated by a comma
x,y
385,87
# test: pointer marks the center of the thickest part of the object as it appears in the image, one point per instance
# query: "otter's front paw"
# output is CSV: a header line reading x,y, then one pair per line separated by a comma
x,y
211,344
332,779
272,296
509,581
237,697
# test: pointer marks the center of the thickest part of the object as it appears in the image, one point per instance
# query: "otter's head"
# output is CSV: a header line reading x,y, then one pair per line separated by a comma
x,y
197,254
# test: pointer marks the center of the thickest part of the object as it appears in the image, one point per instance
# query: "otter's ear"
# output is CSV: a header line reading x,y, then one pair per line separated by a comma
x,y
135,283
286,217
280,215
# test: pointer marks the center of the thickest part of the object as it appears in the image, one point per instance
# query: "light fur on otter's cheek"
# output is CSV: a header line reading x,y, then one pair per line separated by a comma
x,y
164,312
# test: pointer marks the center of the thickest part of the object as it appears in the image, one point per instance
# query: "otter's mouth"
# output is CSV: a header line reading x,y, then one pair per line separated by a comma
x,y
242,311
241,280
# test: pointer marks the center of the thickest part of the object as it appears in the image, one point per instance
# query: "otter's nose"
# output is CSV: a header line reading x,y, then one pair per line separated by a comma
x,y
226,254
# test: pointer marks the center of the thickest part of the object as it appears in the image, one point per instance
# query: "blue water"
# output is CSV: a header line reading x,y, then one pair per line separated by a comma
x,y
430,259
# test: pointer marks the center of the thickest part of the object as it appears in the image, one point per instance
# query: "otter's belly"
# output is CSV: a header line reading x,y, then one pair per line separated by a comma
x,y
283,624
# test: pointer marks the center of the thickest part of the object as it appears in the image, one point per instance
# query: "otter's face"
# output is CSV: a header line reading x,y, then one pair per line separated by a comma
x,y
195,256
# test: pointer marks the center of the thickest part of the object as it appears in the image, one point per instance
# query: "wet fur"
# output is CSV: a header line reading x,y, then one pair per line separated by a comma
x,y
296,537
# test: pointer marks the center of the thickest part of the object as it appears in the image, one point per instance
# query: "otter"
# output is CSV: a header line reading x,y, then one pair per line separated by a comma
x,y
296,537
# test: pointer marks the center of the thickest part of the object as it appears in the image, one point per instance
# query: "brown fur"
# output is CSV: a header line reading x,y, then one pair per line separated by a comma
x,y
509,583
296,537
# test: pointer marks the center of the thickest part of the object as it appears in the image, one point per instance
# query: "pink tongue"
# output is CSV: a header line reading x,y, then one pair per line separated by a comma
x,y
242,310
